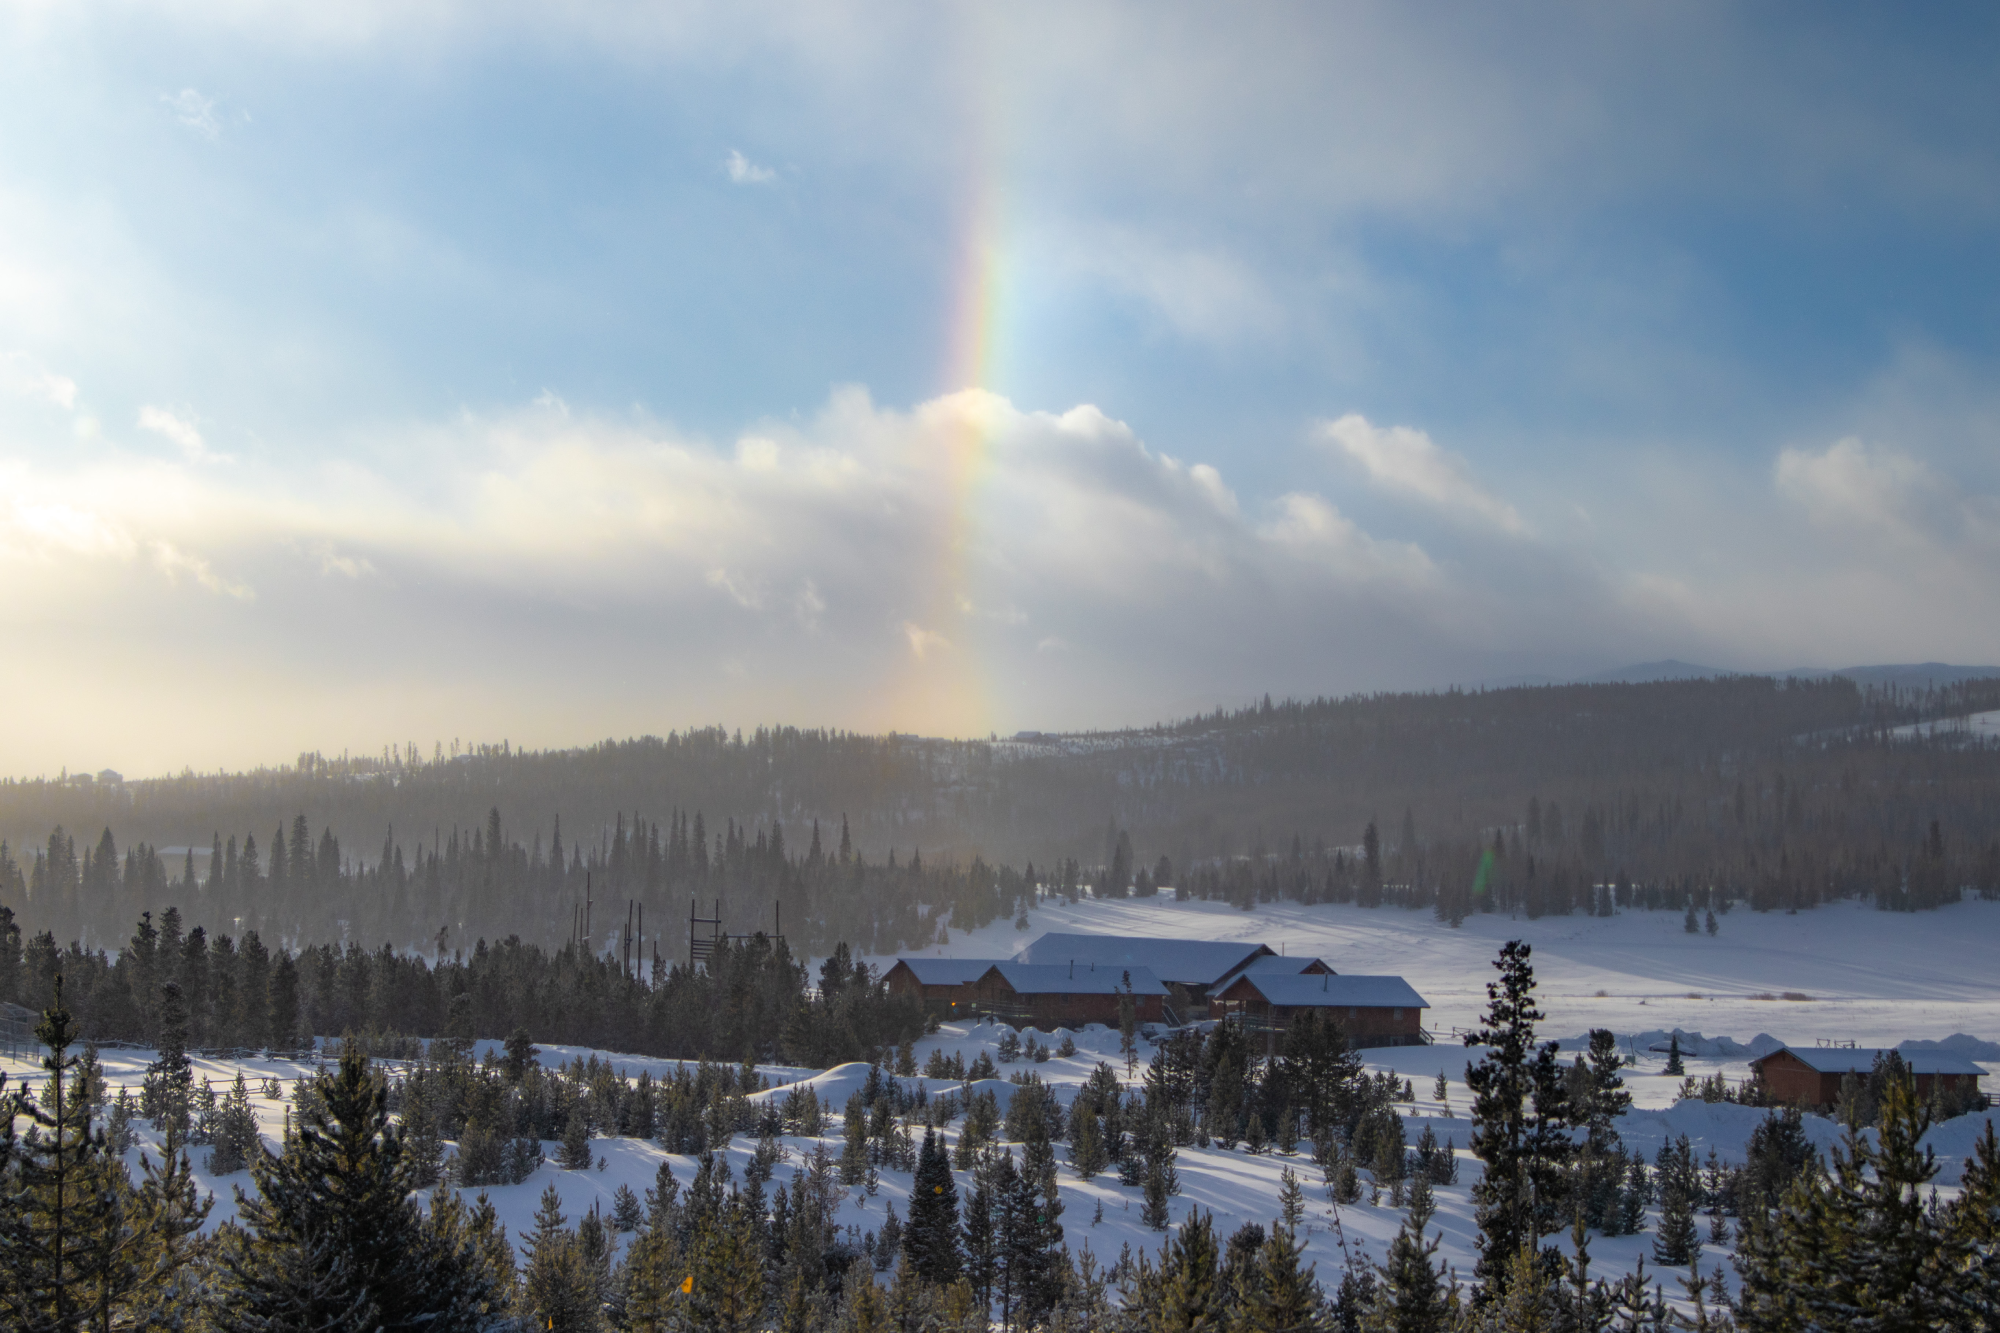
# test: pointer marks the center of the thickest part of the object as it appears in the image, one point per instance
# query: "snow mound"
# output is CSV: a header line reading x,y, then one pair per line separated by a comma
x,y
1958,1043
1723,1126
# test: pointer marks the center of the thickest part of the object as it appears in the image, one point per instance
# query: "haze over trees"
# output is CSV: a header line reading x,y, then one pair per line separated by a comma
x,y
1683,796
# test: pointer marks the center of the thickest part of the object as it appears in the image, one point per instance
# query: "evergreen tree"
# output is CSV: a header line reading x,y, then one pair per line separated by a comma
x,y
560,1282
576,1154
236,1134
726,1290
1086,1144
1675,1067
1291,1199
930,1237
1410,1291
73,1239
1521,1121
332,1238
1858,1246
981,1249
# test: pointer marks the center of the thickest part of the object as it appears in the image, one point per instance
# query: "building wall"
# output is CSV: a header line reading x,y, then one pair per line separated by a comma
x,y
1790,1080
1059,1009
1363,1025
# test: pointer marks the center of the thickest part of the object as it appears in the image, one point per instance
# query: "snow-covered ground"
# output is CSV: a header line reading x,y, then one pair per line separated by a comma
x,y
1875,978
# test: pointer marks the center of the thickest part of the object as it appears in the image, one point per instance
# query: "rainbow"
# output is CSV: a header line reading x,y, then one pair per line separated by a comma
x,y
945,687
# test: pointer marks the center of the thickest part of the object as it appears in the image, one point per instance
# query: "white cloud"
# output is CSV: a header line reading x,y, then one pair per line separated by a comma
x,y
1851,483
195,111
176,564
923,642
1408,462
745,172
21,376
1205,293
181,431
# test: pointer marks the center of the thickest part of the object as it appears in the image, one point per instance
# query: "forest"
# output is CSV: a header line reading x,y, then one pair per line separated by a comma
x,y
1688,796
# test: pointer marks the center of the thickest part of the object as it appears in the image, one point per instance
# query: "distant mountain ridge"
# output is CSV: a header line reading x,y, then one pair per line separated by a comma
x,y
1908,676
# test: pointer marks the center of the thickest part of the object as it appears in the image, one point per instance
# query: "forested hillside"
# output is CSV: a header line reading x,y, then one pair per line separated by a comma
x,y
1676,795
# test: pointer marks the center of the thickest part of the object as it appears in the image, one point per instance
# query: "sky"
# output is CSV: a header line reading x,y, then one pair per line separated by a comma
x,y
394,373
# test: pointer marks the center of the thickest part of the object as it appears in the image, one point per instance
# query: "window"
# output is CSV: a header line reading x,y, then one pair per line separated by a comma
x,y
1396,1014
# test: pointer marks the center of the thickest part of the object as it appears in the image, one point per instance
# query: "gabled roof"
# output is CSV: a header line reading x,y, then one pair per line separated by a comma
x,y
1275,965
947,971
1861,1060
1189,962
1077,979
1340,992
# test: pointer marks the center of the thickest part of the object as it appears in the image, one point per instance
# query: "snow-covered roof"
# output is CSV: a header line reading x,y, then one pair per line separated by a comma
x,y
1861,1060
1339,992
1077,979
1189,962
947,971
1275,965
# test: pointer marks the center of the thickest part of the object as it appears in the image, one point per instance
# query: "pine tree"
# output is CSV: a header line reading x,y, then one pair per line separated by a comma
x,y
576,1154
1291,1199
1086,1145
1677,1244
726,1271
1521,1123
236,1134
1410,1292
930,1237
72,1236
1675,1067
332,1238
1858,1247
559,1285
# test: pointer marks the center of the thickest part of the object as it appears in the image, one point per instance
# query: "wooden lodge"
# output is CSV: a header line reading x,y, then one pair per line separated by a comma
x,y
1049,996
1371,1010
1068,995
1810,1076
943,984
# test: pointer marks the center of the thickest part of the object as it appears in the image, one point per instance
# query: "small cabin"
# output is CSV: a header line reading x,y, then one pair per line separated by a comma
x,y
1811,1075
1069,995
1371,1010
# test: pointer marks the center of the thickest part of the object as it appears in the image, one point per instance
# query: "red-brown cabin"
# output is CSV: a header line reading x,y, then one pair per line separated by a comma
x,y
1371,1011
1067,995
1810,1075
943,984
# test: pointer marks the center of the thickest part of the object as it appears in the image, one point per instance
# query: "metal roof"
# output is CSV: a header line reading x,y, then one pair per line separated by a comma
x,y
1189,962
1077,979
948,971
1340,992
1861,1060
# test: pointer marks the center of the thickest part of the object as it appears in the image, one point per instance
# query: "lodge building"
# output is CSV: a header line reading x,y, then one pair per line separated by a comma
x,y
1810,1076
1068,980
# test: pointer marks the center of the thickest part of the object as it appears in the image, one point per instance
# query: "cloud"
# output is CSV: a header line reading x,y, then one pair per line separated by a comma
x,y
21,376
1408,462
195,111
181,431
1203,293
177,564
745,172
